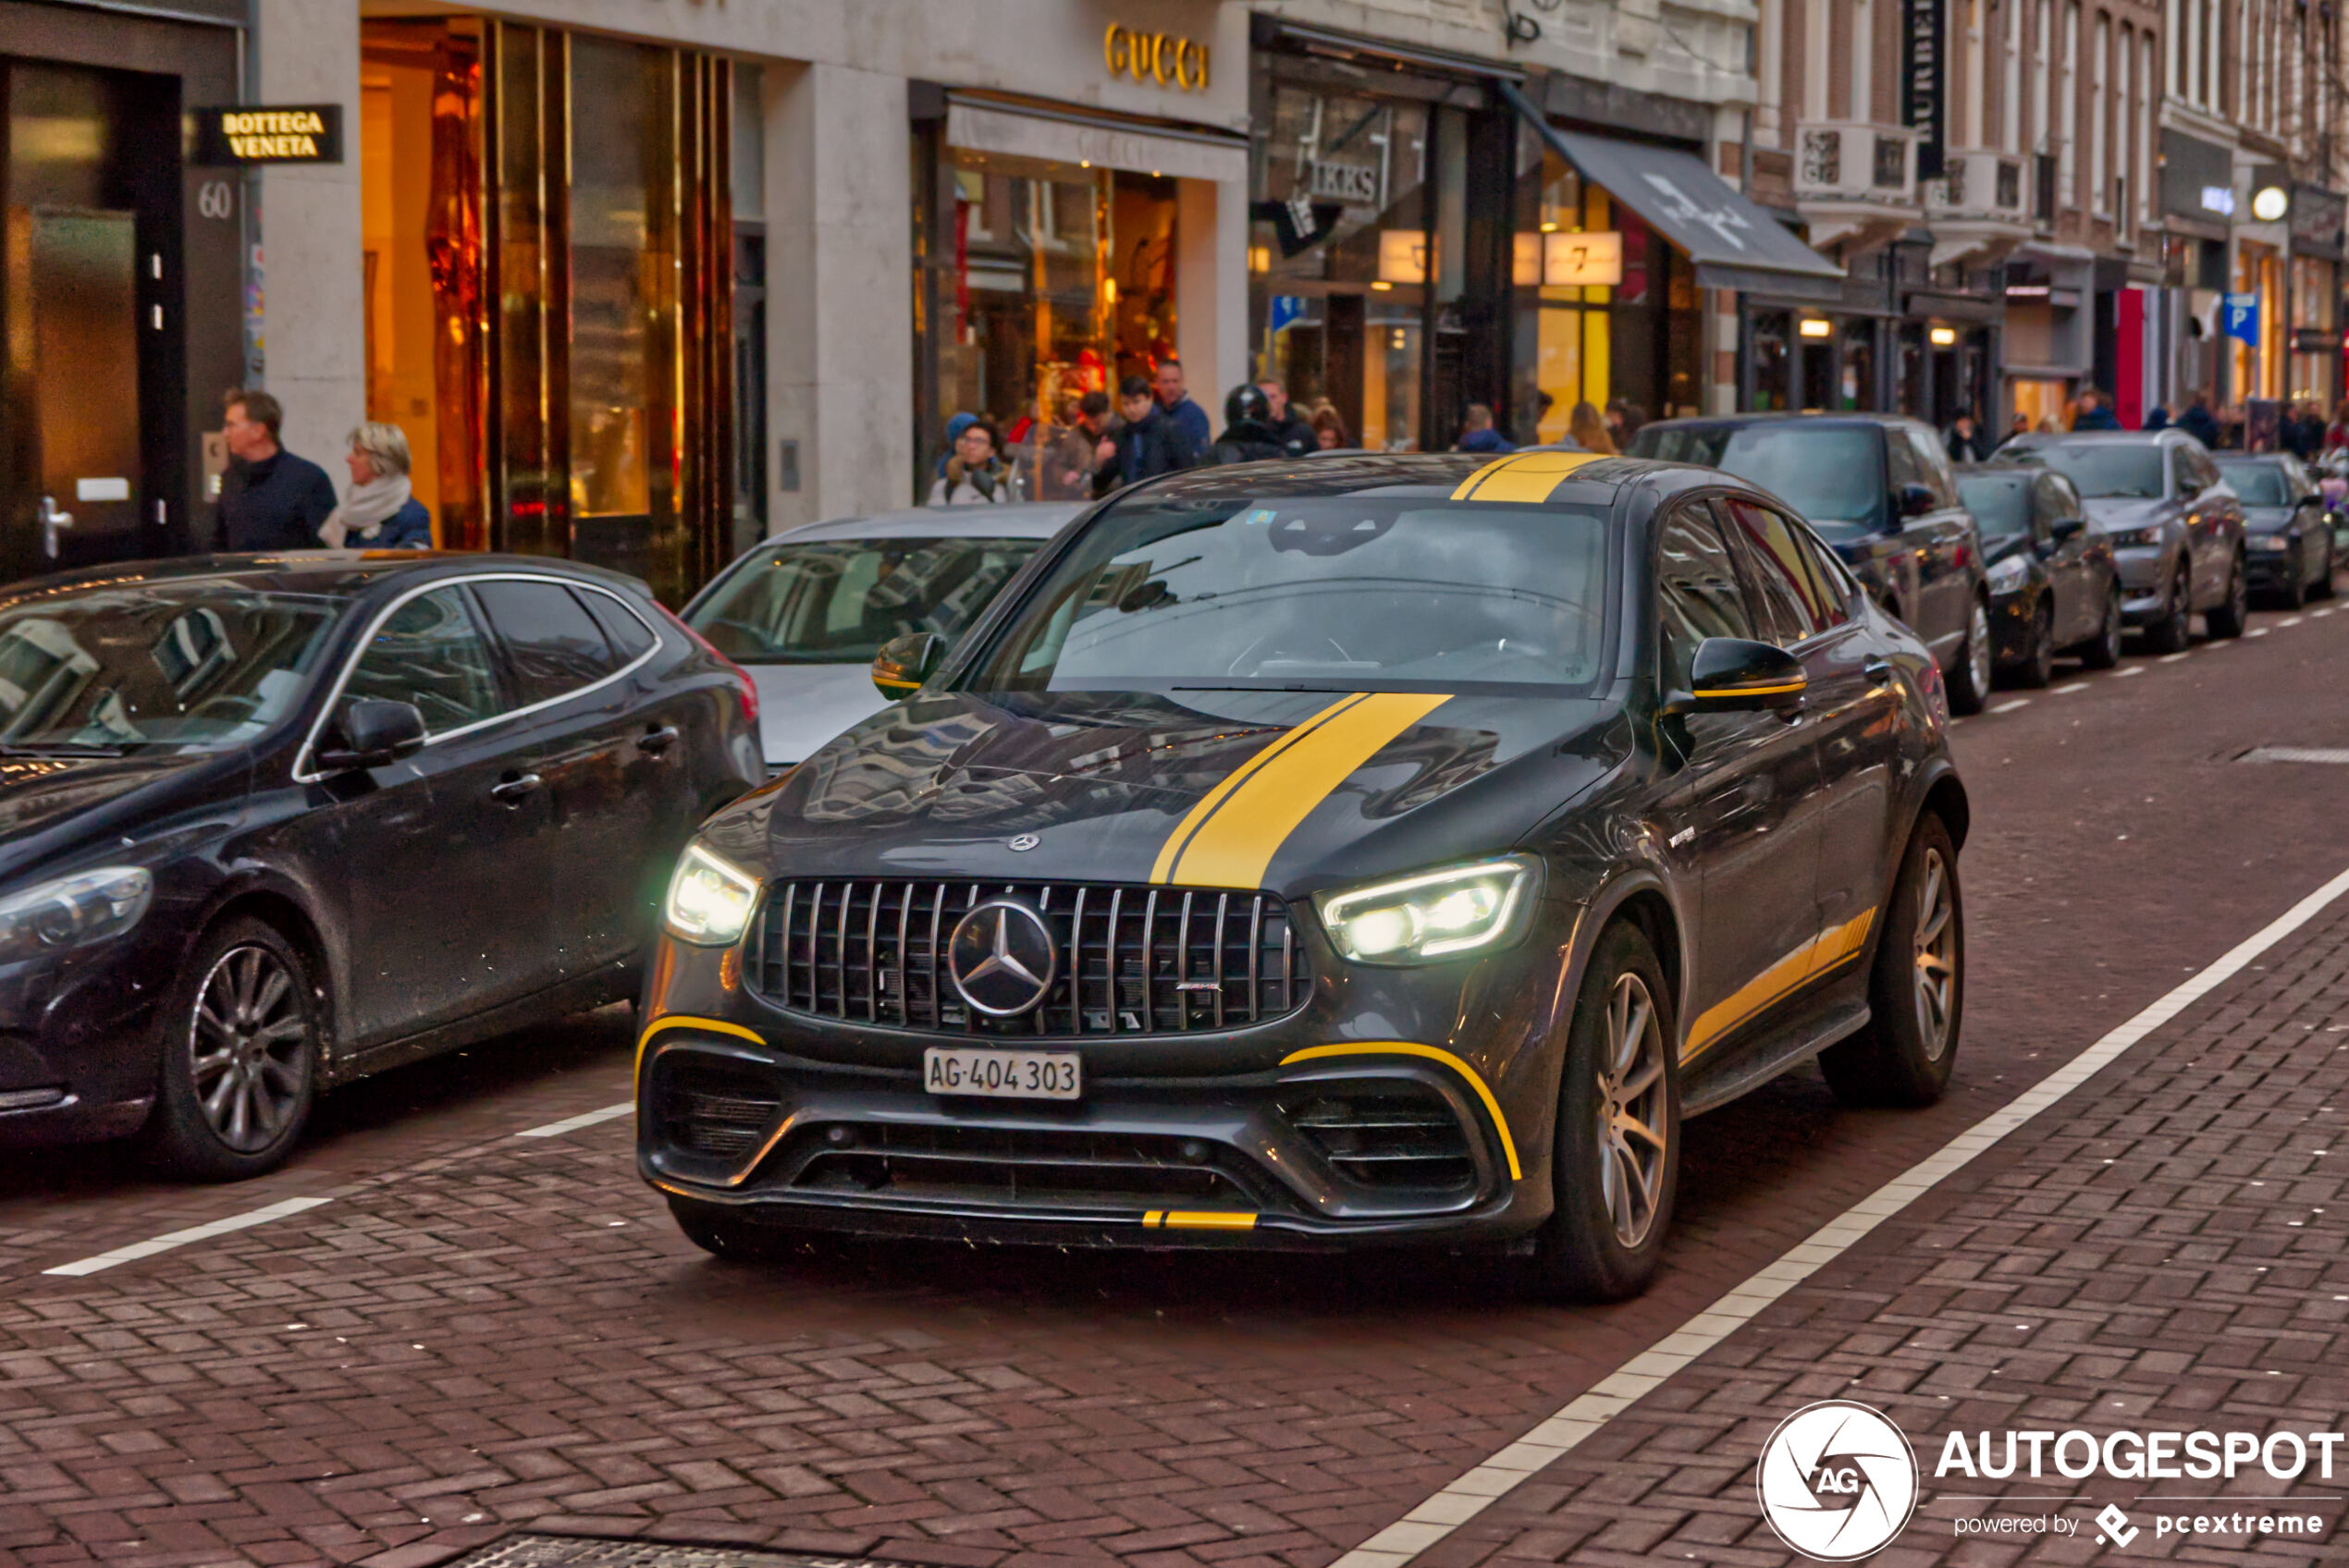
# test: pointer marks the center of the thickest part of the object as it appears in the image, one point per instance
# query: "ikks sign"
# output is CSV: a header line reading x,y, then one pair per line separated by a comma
x,y
305,134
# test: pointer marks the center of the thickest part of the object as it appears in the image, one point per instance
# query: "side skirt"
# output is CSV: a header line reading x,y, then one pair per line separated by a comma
x,y
1809,1026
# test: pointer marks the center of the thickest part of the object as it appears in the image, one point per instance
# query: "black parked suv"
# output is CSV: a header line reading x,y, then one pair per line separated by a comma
x,y
1880,489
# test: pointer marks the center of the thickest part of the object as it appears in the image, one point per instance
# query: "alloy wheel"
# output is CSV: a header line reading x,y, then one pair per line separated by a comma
x,y
1632,1112
248,1043
2112,627
1935,955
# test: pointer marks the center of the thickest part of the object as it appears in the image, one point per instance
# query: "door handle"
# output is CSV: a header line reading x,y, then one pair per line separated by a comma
x,y
655,742
52,519
515,789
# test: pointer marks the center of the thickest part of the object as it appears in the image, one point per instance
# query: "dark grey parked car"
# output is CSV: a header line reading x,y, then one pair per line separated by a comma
x,y
1879,489
2175,527
2054,586
2287,534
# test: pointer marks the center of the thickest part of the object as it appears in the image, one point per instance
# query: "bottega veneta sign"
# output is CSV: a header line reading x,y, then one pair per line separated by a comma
x,y
310,133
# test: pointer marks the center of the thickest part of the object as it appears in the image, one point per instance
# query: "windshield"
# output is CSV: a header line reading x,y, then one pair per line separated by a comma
x,y
1336,594
1828,472
2000,502
192,666
2259,484
838,601
2102,470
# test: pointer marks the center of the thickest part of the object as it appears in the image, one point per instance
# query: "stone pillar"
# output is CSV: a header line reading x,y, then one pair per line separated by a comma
x,y
839,327
1211,290
314,321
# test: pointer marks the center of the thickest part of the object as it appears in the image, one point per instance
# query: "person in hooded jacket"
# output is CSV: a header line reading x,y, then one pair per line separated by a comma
x,y
1249,433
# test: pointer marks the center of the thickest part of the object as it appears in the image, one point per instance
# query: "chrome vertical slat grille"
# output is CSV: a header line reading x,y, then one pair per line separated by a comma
x,y
873,950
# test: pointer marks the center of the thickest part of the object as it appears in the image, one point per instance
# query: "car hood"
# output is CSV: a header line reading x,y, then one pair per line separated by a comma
x,y
803,705
52,806
2116,514
1287,790
2267,520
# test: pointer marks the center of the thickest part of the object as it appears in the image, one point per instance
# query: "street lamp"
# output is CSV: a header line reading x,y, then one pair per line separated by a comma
x,y
2269,204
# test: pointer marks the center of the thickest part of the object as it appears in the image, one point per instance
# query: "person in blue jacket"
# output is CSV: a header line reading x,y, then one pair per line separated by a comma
x,y
381,512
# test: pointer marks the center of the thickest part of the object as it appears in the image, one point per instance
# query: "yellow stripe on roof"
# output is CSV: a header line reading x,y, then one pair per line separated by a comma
x,y
1522,476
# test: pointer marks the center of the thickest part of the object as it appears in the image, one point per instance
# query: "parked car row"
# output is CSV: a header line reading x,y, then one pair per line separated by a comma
x,y
1095,876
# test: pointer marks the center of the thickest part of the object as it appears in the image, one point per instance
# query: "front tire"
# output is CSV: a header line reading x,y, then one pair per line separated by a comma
x,y
1970,682
240,1071
2037,667
2233,613
2324,588
1616,1165
1916,991
2104,651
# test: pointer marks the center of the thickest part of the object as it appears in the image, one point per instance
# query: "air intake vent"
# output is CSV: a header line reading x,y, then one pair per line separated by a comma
x,y
1386,1135
1133,960
1025,1166
714,1109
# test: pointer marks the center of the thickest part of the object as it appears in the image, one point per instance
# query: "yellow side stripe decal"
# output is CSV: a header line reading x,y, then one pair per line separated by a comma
x,y
1432,1053
1198,1220
1805,963
1234,844
687,1020
1164,866
1524,476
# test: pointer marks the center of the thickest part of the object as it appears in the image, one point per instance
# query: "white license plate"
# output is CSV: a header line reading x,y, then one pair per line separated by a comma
x,y
1018,1075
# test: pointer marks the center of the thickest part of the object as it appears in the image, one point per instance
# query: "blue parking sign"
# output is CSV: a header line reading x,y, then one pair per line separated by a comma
x,y
2241,312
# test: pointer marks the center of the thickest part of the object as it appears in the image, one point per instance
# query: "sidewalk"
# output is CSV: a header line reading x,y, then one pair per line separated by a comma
x,y
2162,1251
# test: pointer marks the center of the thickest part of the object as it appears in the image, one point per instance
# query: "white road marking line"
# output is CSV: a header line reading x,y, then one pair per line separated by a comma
x,y
2173,658
2124,674
137,1250
584,1119
1473,1493
2257,632
2318,615
2010,707
2076,686
2289,620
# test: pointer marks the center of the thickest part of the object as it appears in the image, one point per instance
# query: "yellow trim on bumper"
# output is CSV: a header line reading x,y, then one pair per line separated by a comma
x,y
1432,1053
1198,1220
688,1021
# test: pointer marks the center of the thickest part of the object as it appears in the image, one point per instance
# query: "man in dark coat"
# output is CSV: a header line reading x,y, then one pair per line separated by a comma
x,y
1151,442
2095,412
269,498
2198,422
1295,431
1190,419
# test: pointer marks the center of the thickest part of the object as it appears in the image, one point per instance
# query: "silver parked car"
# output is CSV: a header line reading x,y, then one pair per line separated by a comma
x,y
804,611
2175,527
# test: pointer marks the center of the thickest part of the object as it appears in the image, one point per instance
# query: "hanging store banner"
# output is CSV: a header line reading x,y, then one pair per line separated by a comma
x,y
1925,95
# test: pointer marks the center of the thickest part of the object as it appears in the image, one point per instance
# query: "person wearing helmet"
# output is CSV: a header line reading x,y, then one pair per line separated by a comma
x,y
1249,436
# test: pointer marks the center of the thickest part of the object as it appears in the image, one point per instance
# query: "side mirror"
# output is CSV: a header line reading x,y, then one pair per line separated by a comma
x,y
371,732
2062,528
1732,675
903,663
1913,500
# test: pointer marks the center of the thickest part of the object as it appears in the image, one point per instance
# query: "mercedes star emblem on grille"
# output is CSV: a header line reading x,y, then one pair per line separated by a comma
x,y
1002,958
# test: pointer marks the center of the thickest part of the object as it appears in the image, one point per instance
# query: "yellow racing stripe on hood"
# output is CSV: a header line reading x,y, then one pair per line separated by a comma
x,y
1162,869
1523,476
1234,841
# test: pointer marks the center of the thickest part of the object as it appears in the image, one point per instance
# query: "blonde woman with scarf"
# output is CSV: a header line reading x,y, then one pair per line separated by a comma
x,y
381,512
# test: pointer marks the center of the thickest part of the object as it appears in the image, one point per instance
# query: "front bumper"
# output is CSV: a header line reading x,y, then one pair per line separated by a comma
x,y
2270,570
2144,583
78,1038
2013,617
1332,1126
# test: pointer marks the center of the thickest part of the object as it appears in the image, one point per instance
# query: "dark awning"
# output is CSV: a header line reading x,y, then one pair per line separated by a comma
x,y
1732,241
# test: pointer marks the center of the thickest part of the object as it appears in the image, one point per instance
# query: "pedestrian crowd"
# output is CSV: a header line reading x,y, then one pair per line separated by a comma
x,y
2301,429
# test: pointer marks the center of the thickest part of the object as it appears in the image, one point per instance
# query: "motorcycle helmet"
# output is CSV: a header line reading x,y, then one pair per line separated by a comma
x,y
1247,404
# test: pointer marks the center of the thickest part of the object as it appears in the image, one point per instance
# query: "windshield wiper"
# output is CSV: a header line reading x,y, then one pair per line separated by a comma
x,y
61,749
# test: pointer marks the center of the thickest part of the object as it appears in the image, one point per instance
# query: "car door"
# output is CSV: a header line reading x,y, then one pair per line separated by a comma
x,y
431,859
1850,695
2203,501
582,754
1942,542
1897,561
2061,540
1740,813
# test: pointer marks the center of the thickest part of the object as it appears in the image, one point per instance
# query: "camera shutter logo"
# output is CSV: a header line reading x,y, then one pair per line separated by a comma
x,y
1837,1481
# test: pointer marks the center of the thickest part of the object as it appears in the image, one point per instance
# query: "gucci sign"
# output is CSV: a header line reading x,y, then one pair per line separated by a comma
x,y
1155,57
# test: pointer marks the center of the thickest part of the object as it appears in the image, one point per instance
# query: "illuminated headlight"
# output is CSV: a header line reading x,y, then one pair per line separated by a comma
x,y
710,899
1437,915
2006,576
2128,538
72,911
2265,542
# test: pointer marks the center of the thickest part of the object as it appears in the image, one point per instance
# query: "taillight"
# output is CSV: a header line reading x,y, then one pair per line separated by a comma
x,y
749,693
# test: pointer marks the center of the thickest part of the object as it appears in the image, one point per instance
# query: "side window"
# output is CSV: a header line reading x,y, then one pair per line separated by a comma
x,y
1697,594
430,653
1940,477
551,643
631,639
1832,585
1772,560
